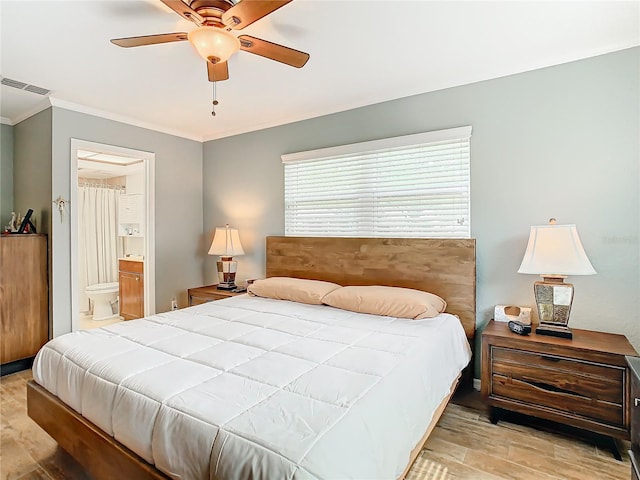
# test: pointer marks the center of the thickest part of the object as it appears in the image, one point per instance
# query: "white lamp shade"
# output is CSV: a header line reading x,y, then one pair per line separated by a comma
x,y
226,242
555,250
213,42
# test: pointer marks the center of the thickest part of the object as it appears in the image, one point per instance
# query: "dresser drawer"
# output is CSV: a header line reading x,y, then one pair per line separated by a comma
x,y
576,387
199,300
586,379
557,363
193,300
544,396
210,293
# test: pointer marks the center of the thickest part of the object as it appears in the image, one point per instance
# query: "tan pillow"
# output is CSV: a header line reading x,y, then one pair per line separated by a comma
x,y
389,301
294,289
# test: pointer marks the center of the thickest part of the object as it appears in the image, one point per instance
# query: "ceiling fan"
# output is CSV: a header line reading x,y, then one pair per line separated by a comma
x,y
213,40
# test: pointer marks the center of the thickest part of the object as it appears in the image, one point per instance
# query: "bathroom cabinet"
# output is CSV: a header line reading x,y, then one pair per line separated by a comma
x,y
131,215
24,299
131,278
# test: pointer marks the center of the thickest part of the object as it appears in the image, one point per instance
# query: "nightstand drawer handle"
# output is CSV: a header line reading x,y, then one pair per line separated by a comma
x,y
549,359
549,388
636,402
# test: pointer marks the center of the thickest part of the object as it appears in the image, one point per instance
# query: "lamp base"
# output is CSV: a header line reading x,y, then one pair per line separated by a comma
x,y
553,299
554,331
227,268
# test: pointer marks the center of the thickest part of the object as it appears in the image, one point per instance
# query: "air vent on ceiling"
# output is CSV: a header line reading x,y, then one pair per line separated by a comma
x,y
38,90
13,83
24,86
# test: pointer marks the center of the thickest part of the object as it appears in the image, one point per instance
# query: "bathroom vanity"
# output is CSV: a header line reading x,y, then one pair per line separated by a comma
x,y
131,279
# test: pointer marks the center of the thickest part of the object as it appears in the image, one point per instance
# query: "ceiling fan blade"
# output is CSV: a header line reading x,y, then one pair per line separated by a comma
x,y
149,39
273,51
246,12
184,10
217,71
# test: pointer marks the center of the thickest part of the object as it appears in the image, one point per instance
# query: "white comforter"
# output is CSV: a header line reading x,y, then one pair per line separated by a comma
x,y
259,388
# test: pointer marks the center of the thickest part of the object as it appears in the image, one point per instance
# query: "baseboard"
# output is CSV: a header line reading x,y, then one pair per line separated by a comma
x,y
16,366
476,384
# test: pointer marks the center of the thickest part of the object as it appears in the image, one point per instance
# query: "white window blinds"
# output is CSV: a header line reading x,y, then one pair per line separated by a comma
x,y
411,186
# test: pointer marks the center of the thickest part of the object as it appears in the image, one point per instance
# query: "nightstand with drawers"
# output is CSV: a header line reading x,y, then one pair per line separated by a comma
x,y
634,453
582,382
208,293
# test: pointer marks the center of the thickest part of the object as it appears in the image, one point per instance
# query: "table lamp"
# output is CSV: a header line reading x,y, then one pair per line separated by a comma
x,y
553,252
226,243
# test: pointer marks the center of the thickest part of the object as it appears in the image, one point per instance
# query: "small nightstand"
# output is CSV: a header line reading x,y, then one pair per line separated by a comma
x,y
634,453
583,382
208,293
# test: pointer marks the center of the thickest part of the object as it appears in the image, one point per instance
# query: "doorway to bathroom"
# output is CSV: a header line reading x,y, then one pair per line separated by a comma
x,y
112,234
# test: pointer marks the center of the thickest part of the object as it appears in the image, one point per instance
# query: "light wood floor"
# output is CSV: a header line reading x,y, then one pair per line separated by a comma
x,y
464,445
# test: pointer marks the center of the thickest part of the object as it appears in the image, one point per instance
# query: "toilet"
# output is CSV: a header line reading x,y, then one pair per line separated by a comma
x,y
102,296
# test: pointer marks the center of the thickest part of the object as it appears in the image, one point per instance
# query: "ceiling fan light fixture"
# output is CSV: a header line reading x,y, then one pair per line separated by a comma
x,y
214,44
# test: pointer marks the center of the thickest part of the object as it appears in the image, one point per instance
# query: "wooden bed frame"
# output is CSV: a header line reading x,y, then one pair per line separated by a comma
x,y
445,267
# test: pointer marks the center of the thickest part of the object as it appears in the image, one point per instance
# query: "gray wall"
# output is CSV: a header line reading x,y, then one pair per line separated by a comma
x,y
32,177
32,169
557,142
6,174
178,205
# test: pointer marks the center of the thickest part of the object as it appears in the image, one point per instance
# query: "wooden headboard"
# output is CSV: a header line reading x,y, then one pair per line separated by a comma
x,y
446,267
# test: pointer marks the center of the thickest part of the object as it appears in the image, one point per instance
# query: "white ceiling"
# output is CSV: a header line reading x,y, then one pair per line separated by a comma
x,y
101,165
362,52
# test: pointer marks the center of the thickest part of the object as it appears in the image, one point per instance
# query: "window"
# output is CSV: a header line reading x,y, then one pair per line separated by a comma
x,y
410,186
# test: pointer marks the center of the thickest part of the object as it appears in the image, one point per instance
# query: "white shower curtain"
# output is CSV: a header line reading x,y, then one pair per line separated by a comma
x,y
99,246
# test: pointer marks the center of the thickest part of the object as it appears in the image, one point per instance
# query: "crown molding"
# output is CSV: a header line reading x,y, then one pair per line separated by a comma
x,y
32,111
56,102
6,121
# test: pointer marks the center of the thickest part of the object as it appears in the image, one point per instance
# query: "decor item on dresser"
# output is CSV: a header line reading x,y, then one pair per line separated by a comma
x,y
27,226
582,382
226,243
634,453
12,226
24,300
553,252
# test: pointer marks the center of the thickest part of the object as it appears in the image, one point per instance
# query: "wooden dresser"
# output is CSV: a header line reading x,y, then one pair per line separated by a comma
x,y
24,299
582,382
131,279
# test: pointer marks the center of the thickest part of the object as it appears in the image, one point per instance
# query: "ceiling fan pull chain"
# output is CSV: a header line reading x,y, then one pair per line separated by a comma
x,y
215,102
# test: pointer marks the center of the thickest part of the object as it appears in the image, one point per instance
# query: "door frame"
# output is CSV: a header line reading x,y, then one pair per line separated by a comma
x,y
149,261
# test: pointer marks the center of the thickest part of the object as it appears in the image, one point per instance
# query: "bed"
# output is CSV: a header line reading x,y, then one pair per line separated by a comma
x,y
210,419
